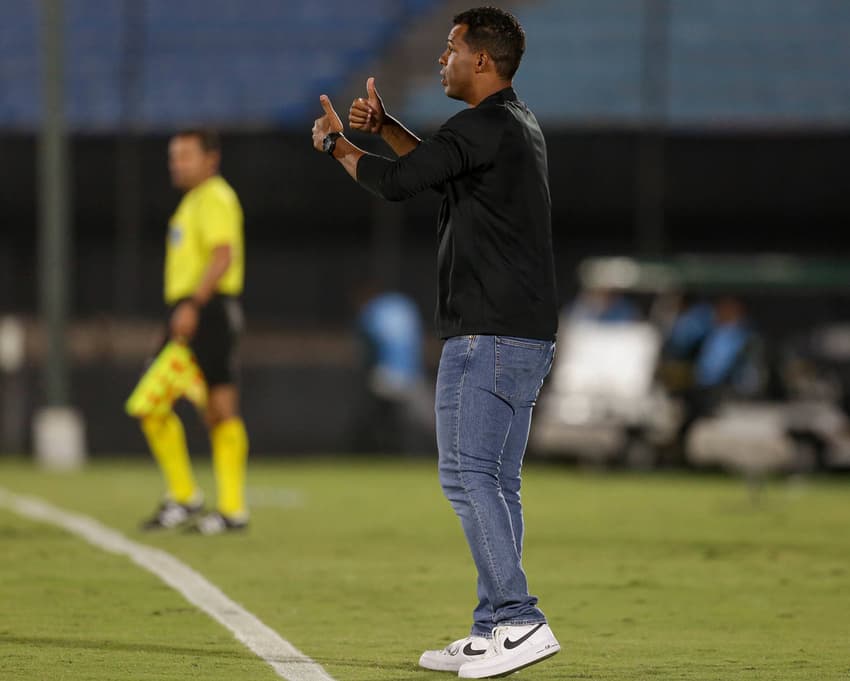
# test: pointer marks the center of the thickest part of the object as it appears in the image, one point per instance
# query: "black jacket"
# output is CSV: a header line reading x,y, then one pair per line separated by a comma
x,y
496,268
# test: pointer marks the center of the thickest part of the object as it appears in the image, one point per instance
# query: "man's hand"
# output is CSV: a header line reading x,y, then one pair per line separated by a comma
x,y
184,321
344,151
325,125
367,115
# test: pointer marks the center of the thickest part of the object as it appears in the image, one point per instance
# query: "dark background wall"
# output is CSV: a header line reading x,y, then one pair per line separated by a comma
x,y
313,233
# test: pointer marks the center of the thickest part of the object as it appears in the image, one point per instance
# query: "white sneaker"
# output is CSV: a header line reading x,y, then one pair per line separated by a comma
x,y
450,658
512,648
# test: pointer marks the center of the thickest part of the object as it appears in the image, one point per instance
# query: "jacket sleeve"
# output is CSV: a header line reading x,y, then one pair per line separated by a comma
x,y
459,146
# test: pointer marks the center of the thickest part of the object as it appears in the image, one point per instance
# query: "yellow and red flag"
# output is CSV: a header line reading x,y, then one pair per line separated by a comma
x,y
173,374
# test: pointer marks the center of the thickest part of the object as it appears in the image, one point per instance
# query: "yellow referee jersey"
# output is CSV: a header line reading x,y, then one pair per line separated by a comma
x,y
208,216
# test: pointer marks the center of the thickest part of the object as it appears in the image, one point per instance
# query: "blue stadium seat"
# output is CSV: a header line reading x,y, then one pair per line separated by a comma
x,y
19,91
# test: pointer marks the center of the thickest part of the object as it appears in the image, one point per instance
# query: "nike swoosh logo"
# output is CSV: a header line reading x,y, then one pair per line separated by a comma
x,y
510,645
469,650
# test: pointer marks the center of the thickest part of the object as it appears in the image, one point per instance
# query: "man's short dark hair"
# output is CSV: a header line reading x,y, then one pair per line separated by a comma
x,y
208,139
496,32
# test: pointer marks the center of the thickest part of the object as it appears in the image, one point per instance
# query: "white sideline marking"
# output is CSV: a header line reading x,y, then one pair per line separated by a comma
x,y
289,662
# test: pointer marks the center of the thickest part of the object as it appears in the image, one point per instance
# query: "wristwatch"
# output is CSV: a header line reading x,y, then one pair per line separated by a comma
x,y
329,142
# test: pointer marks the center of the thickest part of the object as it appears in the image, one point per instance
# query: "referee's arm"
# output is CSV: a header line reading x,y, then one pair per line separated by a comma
x,y
184,319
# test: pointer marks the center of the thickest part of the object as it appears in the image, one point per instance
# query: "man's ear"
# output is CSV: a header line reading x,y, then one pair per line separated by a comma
x,y
481,61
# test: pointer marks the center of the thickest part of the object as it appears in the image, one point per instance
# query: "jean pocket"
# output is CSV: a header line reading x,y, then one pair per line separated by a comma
x,y
528,343
521,367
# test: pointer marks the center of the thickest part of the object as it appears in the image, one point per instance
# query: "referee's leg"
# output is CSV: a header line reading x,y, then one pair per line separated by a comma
x,y
229,450
151,404
215,345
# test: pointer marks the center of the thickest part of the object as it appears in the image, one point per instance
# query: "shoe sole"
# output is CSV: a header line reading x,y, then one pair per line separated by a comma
x,y
448,666
552,650
434,668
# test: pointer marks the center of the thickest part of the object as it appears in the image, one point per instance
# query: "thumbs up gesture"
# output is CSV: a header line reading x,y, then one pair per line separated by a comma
x,y
327,124
367,115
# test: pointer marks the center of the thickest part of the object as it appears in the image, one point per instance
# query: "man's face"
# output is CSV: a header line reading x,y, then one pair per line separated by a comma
x,y
458,63
188,163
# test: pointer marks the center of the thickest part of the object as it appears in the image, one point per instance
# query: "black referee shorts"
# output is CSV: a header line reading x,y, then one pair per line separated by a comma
x,y
216,340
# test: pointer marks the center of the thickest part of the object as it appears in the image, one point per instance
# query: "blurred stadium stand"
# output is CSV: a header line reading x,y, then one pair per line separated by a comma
x,y
749,102
154,64
759,62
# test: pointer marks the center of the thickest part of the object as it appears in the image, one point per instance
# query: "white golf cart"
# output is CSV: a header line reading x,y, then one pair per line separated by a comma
x,y
613,398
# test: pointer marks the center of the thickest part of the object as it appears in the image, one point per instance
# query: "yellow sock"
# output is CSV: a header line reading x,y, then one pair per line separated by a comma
x,y
230,452
168,444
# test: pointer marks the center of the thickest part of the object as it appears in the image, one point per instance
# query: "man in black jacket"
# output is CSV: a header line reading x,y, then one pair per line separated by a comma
x,y
496,311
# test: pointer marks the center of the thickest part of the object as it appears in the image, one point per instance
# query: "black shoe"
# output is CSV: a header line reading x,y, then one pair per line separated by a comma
x,y
171,514
216,523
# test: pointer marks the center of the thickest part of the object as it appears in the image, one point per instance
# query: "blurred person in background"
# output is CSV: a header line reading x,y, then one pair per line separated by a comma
x,y
496,311
716,341
395,415
711,352
691,322
204,274
727,356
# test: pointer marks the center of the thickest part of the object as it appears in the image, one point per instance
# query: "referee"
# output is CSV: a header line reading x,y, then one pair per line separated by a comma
x,y
204,272
496,311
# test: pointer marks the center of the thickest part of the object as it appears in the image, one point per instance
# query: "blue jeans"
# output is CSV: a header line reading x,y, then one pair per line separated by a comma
x,y
486,389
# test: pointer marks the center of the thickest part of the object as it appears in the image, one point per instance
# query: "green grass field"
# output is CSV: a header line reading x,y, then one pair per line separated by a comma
x,y
362,565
